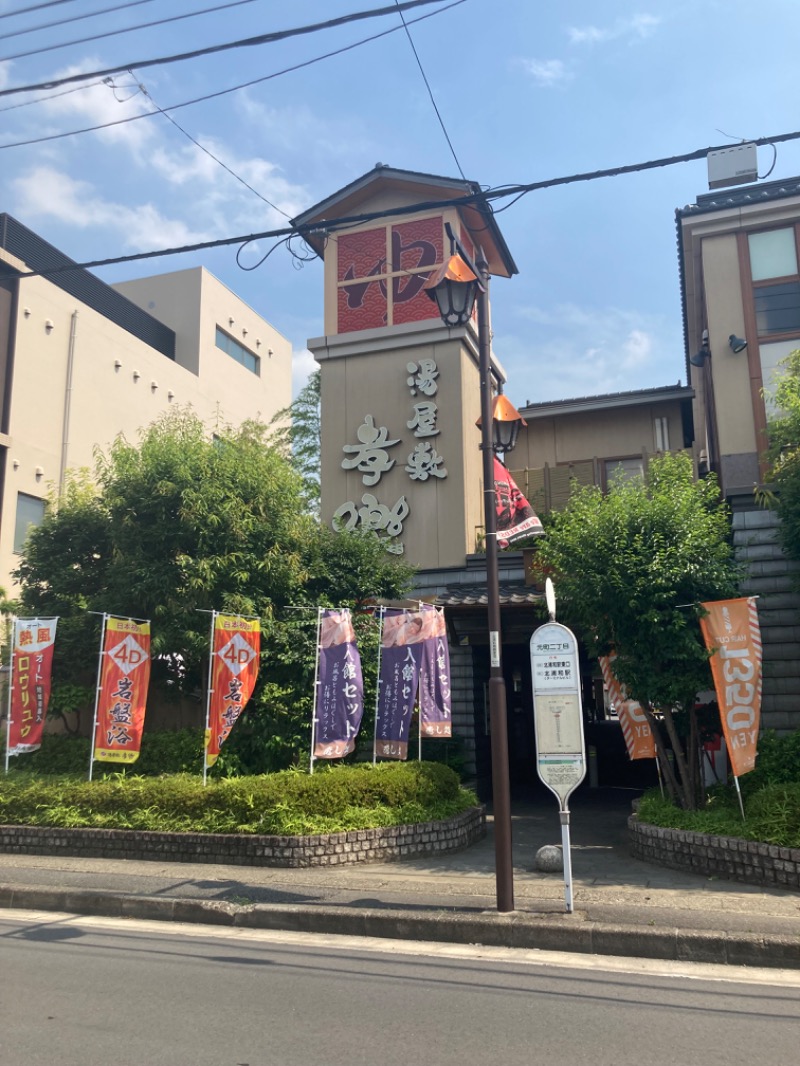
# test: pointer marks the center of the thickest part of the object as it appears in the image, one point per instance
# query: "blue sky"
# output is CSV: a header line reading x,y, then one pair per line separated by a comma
x,y
528,91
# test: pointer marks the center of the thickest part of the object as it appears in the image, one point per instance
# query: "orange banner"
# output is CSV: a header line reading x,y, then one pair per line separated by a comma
x,y
122,695
639,739
236,650
731,631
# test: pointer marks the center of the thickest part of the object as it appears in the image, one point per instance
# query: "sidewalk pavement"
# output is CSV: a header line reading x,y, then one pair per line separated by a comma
x,y
622,906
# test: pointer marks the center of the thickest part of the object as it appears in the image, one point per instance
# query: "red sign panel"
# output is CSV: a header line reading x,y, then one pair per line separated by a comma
x,y
237,646
122,695
31,672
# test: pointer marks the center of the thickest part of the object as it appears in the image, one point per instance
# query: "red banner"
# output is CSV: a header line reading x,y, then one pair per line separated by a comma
x,y
731,631
122,694
235,652
31,672
639,739
515,516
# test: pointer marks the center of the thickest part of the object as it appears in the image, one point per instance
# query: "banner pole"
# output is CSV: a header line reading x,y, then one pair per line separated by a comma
x,y
739,794
316,693
382,611
97,693
208,697
11,650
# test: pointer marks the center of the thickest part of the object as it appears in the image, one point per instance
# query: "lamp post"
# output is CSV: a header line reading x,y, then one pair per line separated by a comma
x,y
454,287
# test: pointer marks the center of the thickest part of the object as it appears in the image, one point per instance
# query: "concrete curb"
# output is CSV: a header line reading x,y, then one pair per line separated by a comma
x,y
571,933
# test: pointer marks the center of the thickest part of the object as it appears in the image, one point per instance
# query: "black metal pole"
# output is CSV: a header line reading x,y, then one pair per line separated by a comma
x,y
501,792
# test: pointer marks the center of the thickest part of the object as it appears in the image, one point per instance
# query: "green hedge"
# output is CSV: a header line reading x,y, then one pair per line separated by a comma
x,y
168,752
332,799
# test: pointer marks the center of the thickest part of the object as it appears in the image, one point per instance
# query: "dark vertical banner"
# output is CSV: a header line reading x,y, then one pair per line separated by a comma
x,y
340,687
515,516
434,683
31,671
401,657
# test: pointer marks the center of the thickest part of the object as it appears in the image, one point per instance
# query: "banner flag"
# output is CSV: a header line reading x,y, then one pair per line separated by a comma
x,y
401,657
732,633
434,680
339,704
122,694
515,516
235,653
639,739
33,640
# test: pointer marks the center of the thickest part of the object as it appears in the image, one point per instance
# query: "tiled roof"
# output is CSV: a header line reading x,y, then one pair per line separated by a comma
x,y
475,596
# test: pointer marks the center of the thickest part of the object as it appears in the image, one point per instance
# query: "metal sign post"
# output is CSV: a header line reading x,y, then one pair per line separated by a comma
x,y
558,719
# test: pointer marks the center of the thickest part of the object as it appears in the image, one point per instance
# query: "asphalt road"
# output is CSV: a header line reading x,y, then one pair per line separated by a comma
x,y
91,991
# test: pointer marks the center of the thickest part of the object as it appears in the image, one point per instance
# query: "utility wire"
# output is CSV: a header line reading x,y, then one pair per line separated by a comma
x,y
33,7
209,153
125,29
264,38
45,99
430,91
479,196
74,18
233,88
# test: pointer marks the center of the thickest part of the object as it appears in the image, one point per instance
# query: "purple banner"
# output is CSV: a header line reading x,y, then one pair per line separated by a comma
x,y
434,685
401,656
340,687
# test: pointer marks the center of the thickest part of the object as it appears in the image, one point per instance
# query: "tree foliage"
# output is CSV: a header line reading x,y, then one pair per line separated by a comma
x,y
631,568
784,455
181,525
296,431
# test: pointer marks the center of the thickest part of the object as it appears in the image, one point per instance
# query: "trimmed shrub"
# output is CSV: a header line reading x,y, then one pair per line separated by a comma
x,y
287,803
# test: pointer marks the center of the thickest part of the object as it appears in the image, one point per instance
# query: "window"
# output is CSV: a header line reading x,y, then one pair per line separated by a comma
x,y
623,469
238,352
30,512
776,285
661,434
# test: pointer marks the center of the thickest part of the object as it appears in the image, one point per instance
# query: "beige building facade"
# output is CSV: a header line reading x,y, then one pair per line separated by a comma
x,y
740,277
400,392
82,362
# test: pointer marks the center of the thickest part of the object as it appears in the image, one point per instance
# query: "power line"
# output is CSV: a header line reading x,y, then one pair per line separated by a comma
x,y
44,99
480,196
33,7
73,18
117,33
234,88
207,151
264,38
430,92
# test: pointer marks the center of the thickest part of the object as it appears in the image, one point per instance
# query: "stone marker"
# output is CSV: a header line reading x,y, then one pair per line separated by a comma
x,y
549,859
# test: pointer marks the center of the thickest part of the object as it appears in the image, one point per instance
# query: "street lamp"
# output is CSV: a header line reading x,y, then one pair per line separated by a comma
x,y
454,287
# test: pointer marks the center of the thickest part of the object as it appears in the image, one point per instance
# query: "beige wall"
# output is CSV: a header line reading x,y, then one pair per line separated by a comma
x,y
119,384
363,376
602,434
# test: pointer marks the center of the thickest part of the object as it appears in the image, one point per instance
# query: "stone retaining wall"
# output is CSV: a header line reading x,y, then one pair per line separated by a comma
x,y
327,849
713,856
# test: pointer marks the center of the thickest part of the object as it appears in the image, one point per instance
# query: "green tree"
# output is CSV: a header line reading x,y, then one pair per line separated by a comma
x,y
631,568
296,431
784,456
181,525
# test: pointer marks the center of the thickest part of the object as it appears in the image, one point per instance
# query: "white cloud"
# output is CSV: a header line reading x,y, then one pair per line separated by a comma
x,y
47,193
636,28
569,351
303,365
87,105
547,72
